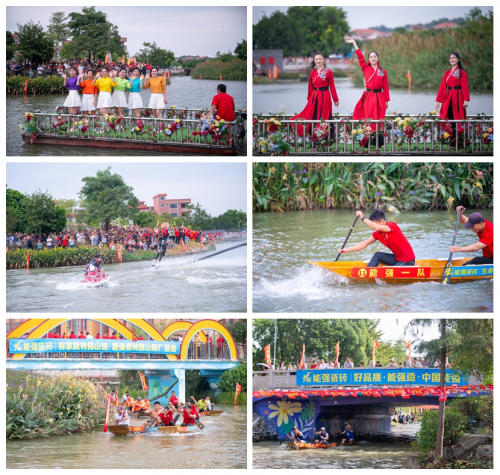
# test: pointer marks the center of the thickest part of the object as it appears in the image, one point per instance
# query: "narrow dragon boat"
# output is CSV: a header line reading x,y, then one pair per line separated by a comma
x,y
351,442
306,446
424,270
124,430
211,413
178,429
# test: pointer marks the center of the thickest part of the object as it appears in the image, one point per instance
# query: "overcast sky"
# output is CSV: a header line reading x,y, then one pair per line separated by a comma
x,y
216,186
184,30
391,17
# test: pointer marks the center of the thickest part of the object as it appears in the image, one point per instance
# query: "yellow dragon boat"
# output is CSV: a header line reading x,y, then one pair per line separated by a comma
x,y
423,270
124,430
305,446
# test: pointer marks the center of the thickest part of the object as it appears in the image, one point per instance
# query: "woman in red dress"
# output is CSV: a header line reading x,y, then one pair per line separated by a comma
x,y
375,100
320,96
453,95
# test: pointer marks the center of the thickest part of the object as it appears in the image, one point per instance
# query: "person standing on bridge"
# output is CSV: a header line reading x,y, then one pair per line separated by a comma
x,y
484,230
348,363
391,236
321,96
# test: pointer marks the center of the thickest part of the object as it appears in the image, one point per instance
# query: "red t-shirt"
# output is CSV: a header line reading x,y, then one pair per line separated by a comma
x,y
396,242
224,104
220,341
82,336
72,336
166,417
98,337
187,419
314,366
173,400
486,237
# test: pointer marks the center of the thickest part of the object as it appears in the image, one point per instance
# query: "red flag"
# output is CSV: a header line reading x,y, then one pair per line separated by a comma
x,y
376,344
145,386
100,376
267,354
107,413
408,345
28,260
26,87
184,248
337,351
238,391
201,242
119,252
303,357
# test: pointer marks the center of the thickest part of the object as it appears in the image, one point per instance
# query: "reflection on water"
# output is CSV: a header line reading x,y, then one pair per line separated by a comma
x,y
367,454
218,284
221,445
271,97
183,92
284,282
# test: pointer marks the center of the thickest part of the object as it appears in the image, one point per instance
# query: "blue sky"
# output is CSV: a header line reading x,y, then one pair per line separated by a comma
x,y
216,186
184,30
392,17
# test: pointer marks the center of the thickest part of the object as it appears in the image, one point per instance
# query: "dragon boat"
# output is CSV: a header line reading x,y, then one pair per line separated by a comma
x,y
306,446
211,413
124,430
423,270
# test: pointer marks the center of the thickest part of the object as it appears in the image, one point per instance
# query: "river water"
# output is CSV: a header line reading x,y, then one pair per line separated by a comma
x,y
218,284
365,455
221,445
270,98
284,282
183,92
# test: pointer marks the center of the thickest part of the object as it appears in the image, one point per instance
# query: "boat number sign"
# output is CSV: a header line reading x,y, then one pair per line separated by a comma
x,y
391,272
55,345
382,376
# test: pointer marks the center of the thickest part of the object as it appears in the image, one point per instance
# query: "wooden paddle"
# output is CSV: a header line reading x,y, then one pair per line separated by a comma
x,y
445,279
150,423
281,441
345,242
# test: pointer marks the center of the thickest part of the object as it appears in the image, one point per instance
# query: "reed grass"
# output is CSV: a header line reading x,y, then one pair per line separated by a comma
x,y
405,186
235,70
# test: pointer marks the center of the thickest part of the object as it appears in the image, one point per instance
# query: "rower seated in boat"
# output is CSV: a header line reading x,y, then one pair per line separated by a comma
x,y
349,434
167,416
297,436
153,414
484,230
138,406
322,436
174,400
190,413
121,418
391,236
203,405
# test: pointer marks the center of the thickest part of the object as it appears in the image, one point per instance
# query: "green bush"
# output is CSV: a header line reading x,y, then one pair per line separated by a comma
x,y
46,85
235,70
39,405
228,380
455,426
479,408
228,398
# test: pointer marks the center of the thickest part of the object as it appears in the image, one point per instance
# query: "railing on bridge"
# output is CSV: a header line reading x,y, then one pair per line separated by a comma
x,y
467,136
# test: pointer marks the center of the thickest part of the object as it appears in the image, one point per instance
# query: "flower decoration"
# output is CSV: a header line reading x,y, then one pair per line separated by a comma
x,y
284,410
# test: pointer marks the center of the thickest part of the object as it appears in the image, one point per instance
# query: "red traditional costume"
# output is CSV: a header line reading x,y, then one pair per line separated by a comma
x,y
372,104
454,90
321,95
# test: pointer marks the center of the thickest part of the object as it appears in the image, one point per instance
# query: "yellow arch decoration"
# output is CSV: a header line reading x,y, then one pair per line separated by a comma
x,y
146,327
208,325
25,327
181,325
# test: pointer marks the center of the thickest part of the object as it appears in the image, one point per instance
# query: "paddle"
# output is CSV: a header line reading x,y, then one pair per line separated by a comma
x,y
345,242
445,279
281,441
107,415
150,423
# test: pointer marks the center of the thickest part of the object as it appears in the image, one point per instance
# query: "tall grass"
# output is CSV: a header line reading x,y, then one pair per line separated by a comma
x,y
425,54
234,70
407,186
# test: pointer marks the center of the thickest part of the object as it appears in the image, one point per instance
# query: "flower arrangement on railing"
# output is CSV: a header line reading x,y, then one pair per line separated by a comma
x,y
320,134
275,142
215,127
170,129
361,134
112,121
29,127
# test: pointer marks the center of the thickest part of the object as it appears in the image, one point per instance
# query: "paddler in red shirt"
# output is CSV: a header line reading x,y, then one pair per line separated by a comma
x,y
167,416
174,400
190,413
484,230
389,234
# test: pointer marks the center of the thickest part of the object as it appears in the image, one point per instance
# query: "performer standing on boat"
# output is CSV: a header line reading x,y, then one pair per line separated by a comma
x,y
375,100
158,86
484,230
73,100
119,98
323,436
89,98
321,95
453,96
104,84
391,236
297,435
134,98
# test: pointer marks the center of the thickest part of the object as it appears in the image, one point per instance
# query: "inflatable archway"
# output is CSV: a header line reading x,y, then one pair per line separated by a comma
x,y
181,325
208,325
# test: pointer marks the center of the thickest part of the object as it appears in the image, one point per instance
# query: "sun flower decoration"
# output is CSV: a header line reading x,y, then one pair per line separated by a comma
x,y
284,410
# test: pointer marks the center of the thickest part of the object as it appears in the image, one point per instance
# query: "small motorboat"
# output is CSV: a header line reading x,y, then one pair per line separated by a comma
x,y
93,275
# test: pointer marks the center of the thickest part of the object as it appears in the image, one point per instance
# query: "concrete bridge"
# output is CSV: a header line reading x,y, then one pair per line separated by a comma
x,y
163,360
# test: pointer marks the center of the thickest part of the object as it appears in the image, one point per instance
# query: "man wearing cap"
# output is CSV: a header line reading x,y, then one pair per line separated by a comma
x,y
392,363
323,436
484,230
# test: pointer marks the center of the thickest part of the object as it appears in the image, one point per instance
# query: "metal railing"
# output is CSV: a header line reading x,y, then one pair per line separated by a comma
x,y
344,140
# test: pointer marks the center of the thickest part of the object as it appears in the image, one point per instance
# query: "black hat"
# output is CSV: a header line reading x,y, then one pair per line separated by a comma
x,y
474,218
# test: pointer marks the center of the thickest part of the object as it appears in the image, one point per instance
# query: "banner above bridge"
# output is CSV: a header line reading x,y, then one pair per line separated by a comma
x,y
378,376
56,345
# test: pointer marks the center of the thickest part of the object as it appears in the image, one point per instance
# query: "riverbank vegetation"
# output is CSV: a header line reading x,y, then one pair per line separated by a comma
x,y
41,405
398,186
425,54
294,76
225,66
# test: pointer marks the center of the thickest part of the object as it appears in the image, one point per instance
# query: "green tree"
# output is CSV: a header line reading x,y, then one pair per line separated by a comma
x,y
146,219
200,219
10,45
59,29
129,378
231,220
278,31
154,55
241,50
228,380
107,197
66,51
42,215
321,28
33,43
224,57
239,331
93,36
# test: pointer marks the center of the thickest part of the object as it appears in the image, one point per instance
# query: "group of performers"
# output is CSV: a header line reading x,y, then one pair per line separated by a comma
x,y
452,99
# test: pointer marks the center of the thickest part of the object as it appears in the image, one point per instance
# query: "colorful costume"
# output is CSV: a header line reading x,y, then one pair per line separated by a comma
x,y
73,99
89,91
454,90
158,87
134,97
372,104
105,100
119,98
321,95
